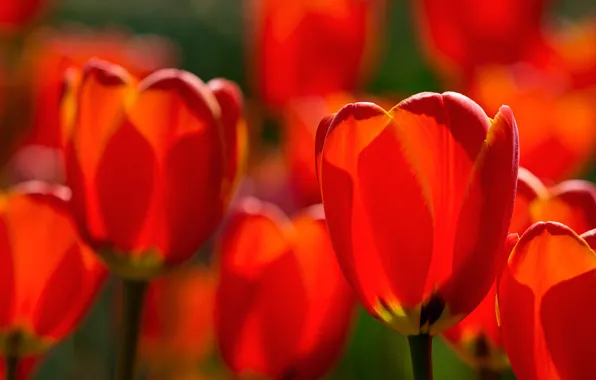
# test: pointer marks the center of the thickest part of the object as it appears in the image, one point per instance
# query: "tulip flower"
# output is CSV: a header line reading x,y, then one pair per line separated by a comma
x,y
48,276
556,122
546,300
572,203
418,201
177,327
283,308
15,14
461,35
50,53
572,54
153,173
306,48
301,117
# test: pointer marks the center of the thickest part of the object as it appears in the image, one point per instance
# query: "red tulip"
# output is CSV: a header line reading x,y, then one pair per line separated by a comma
x,y
572,203
177,327
477,338
301,117
14,14
572,55
50,53
305,47
149,164
418,200
459,35
556,122
283,308
48,276
546,302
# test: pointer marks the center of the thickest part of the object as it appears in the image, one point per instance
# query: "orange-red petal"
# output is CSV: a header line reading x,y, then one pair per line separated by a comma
x,y
282,307
229,97
571,202
529,188
545,298
485,216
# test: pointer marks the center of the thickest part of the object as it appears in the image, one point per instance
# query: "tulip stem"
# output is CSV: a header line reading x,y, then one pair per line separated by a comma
x,y
12,361
485,373
421,353
134,294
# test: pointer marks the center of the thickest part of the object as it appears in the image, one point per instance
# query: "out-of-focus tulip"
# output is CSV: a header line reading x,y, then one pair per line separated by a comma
x,y
546,302
572,55
177,328
151,164
477,338
418,200
16,13
556,122
50,53
48,277
283,308
459,35
301,118
572,203
311,47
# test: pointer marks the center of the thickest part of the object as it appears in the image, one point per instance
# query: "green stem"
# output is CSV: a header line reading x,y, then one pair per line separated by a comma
x,y
421,353
485,373
12,362
134,294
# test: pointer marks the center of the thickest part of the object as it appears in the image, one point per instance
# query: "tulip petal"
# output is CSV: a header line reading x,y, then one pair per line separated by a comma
x,y
590,238
332,299
477,338
571,202
485,216
545,298
101,93
75,282
229,97
320,137
353,129
255,259
529,188
180,103
186,140
195,203
125,181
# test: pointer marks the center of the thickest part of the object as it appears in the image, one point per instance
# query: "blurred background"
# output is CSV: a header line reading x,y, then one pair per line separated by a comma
x,y
552,96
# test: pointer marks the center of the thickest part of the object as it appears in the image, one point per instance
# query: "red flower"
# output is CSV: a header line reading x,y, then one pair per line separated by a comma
x,y
149,163
283,308
418,200
47,276
572,55
50,53
301,117
556,122
16,13
177,328
572,203
311,47
459,35
546,304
